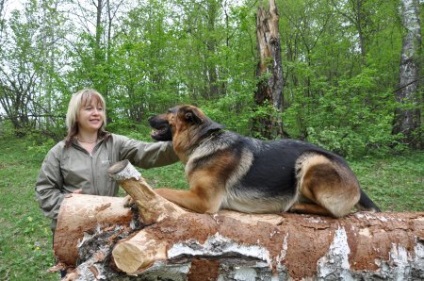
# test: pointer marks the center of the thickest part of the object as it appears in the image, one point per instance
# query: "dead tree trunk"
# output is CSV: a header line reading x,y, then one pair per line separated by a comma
x,y
269,71
166,242
408,113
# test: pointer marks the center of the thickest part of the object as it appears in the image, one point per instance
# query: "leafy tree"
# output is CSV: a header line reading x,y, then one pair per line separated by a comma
x,y
340,65
145,60
339,84
28,69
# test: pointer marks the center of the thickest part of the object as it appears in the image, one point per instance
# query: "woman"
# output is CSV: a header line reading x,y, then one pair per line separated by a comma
x,y
79,163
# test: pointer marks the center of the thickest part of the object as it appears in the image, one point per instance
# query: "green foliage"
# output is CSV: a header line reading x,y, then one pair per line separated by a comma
x,y
6,128
345,117
341,66
37,149
233,111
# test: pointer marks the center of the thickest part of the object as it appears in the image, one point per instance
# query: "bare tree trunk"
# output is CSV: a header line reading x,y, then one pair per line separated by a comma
x,y
98,56
2,2
270,72
175,244
211,45
408,114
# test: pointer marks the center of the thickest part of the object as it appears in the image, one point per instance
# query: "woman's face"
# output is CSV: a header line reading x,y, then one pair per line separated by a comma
x,y
91,116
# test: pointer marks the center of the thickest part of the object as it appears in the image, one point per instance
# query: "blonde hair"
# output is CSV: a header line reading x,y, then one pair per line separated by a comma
x,y
78,100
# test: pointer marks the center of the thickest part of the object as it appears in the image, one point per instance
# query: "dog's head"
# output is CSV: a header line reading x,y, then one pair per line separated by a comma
x,y
184,124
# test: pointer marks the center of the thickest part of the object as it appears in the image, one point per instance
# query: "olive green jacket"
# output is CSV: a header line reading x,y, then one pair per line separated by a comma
x,y
65,170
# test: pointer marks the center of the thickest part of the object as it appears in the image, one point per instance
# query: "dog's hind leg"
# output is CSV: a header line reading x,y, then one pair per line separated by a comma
x,y
329,187
310,208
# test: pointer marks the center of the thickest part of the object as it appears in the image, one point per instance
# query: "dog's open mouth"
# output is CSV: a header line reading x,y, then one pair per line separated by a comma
x,y
159,133
161,130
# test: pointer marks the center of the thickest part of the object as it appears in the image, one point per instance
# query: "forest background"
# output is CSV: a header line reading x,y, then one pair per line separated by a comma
x,y
351,73
342,66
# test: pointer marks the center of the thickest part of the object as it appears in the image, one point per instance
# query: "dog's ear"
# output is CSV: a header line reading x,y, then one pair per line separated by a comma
x,y
190,115
197,117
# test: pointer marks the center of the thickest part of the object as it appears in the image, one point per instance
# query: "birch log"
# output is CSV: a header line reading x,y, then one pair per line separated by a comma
x,y
181,245
80,215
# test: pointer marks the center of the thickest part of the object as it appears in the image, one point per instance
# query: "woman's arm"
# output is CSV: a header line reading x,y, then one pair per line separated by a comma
x,y
48,187
144,154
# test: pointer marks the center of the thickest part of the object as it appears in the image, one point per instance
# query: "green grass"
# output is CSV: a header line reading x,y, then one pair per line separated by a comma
x,y
395,183
25,236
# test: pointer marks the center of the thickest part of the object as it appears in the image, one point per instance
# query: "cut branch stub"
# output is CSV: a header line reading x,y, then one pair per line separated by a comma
x,y
139,253
152,207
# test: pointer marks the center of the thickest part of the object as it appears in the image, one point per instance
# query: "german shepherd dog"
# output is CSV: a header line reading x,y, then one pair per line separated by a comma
x,y
228,171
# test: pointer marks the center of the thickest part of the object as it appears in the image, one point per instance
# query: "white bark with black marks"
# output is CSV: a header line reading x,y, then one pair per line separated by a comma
x,y
407,115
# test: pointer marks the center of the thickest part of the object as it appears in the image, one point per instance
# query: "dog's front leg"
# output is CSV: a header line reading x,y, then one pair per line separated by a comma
x,y
190,199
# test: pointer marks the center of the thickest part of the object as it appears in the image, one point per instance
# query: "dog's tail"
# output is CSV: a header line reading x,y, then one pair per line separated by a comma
x,y
366,204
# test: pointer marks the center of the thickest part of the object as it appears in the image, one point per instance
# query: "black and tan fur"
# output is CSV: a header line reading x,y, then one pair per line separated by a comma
x,y
229,171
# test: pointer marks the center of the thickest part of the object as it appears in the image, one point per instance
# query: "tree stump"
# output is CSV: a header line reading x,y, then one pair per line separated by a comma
x,y
162,241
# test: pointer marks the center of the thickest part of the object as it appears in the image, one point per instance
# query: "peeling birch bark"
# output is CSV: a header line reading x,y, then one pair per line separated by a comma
x,y
182,245
407,118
